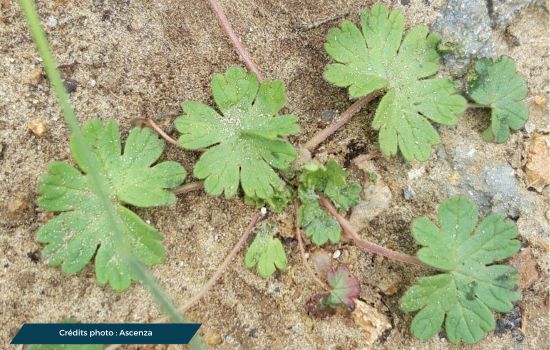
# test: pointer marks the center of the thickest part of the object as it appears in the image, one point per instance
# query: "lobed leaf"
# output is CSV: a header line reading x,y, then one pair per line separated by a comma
x,y
345,287
245,139
465,295
497,86
266,252
332,182
83,229
281,196
318,224
377,58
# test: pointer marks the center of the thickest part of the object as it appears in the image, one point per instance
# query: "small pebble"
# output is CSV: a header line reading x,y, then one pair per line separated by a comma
x,y
409,192
38,148
540,100
263,211
52,22
91,82
336,254
37,126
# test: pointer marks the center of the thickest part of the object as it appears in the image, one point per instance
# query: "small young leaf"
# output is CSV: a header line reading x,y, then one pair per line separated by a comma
x,y
281,196
318,223
499,87
377,59
246,135
332,182
266,252
345,287
84,228
472,285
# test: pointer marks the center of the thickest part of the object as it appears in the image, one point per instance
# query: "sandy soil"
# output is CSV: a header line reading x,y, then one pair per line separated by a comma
x,y
141,59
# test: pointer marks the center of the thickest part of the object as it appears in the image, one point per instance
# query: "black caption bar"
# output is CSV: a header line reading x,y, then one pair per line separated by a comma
x,y
105,333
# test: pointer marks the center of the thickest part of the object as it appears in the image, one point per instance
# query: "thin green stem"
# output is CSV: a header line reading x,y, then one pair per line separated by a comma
x,y
91,165
192,186
388,253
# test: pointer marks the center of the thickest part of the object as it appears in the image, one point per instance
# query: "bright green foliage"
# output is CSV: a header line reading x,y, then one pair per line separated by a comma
x,y
266,252
83,229
281,196
376,59
472,285
332,182
318,223
246,135
499,87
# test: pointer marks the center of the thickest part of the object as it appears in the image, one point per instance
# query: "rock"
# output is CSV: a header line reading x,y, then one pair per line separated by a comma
x,y
465,29
320,262
17,205
369,320
527,267
212,338
377,199
536,168
389,286
37,127
409,192
34,76
502,12
540,100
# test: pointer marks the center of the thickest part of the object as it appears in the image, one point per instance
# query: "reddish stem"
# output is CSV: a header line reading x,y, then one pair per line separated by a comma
x,y
233,37
161,132
166,137
303,253
192,186
219,272
367,245
366,157
323,135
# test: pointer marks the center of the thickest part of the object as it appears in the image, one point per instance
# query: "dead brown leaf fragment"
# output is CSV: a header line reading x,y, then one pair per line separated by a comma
x,y
372,322
33,77
527,267
536,169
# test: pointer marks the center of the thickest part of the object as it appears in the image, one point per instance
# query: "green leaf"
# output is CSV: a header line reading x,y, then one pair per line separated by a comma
x,y
472,285
345,287
332,182
82,230
266,252
245,138
281,196
376,59
318,223
499,87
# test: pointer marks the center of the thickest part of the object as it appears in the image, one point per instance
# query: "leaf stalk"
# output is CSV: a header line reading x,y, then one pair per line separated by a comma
x,y
303,253
388,253
192,186
233,37
324,134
